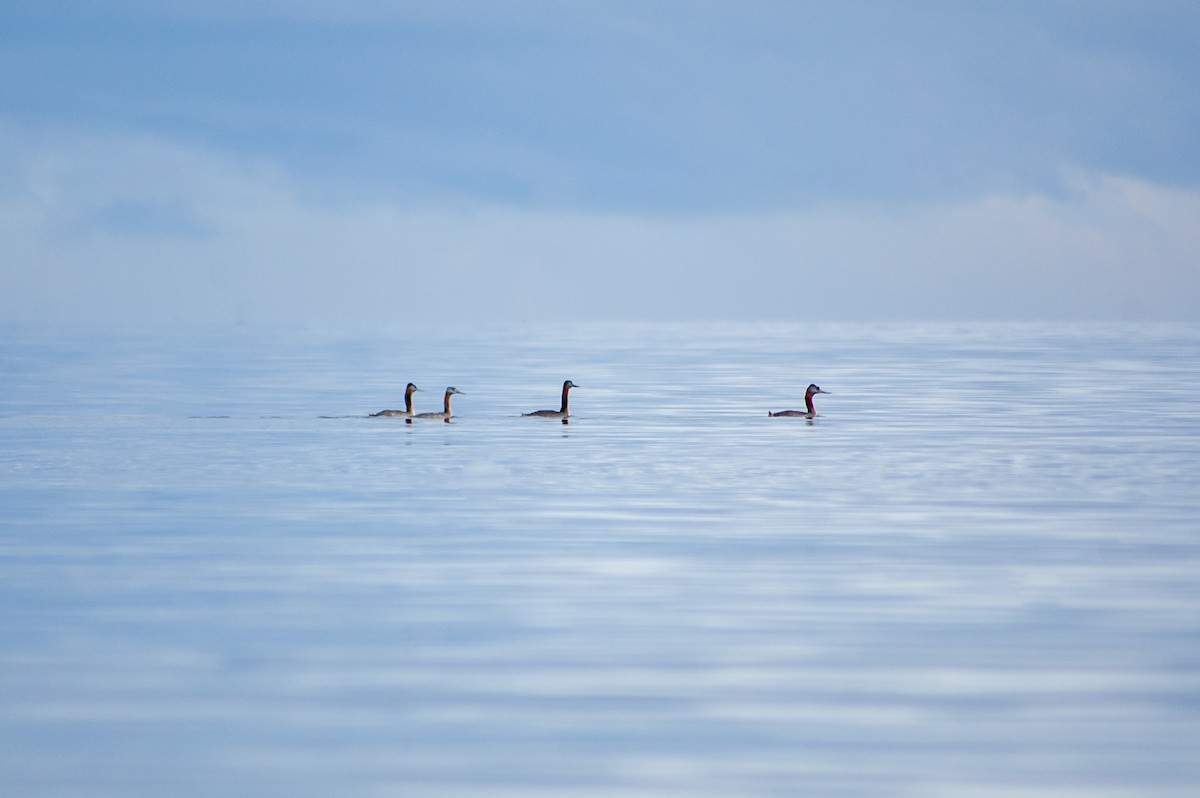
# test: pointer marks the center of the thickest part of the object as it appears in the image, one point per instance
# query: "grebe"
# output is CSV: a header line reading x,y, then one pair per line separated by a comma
x,y
445,414
407,412
812,391
562,412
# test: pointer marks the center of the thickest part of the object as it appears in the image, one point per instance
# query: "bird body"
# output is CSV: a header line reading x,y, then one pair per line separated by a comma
x,y
407,412
445,415
811,412
563,412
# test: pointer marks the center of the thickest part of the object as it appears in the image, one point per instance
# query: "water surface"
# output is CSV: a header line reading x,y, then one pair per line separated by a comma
x,y
973,574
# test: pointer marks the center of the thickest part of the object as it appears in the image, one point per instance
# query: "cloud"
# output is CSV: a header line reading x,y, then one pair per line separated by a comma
x,y
122,230
630,108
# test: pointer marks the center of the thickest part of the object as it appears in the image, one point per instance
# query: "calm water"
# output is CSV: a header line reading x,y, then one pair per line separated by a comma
x,y
976,574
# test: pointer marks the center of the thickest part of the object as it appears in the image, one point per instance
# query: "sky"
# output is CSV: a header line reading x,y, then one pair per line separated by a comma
x,y
372,163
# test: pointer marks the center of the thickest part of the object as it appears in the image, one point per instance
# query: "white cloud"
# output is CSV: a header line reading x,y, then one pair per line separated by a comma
x,y
228,240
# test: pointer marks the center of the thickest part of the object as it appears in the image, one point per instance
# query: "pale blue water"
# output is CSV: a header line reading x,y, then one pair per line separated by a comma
x,y
976,574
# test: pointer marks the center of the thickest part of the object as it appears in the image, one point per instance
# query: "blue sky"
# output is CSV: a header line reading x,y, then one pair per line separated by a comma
x,y
375,163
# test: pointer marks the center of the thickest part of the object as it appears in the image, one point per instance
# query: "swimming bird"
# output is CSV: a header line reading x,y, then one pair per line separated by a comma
x,y
563,412
407,412
812,391
445,414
